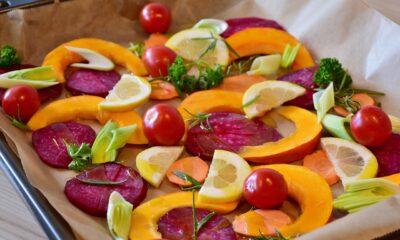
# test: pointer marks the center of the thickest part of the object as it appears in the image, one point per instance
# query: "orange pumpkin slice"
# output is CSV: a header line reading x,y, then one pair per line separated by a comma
x,y
312,193
253,41
294,147
211,101
60,58
85,108
145,216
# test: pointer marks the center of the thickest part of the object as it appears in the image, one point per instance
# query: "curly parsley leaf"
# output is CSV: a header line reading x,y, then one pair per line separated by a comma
x,y
8,56
81,156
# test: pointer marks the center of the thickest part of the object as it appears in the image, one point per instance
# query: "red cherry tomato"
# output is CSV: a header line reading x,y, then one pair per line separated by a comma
x,y
21,102
265,188
163,125
155,18
371,126
157,59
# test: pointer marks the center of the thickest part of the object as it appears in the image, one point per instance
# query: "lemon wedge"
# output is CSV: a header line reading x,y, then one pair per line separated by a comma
x,y
200,43
130,92
224,182
351,160
153,163
262,97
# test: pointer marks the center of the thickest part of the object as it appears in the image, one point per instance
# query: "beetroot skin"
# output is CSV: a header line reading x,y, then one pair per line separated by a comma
x,y
92,82
93,198
388,156
177,224
303,77
238,24
49,141
230,131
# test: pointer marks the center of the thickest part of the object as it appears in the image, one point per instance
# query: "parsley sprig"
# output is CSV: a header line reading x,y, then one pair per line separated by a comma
x,y
81,156
331,70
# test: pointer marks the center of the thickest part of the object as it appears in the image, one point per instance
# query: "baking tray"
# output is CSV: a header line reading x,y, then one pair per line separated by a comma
x,y
54,226
49,219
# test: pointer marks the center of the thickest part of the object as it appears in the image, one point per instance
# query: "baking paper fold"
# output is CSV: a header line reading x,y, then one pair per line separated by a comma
x,y
366,42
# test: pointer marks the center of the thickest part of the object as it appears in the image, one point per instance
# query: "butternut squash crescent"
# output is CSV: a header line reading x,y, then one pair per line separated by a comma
x,y
145,216
253,41
312,193
60,58
86,108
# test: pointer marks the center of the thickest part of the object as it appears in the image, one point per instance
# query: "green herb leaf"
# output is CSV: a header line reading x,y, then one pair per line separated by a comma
x,y
331,70
197,225
199,118
252,101
19,124
188,178
137,48
230,48
81,156
210,47
8,57
97,182
278,236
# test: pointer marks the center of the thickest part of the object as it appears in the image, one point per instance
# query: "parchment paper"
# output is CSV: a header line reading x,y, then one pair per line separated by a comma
x,y
365,41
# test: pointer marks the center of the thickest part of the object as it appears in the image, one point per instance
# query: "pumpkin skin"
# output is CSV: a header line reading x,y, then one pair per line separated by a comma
x,y
60,58
145,216
253,41
294,147
86,107
312,193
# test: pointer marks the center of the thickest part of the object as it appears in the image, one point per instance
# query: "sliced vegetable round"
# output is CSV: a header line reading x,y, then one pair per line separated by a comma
x,y
157,59
371,126
50,142
163,125
155,18
21,102
177,224
265,188
90,190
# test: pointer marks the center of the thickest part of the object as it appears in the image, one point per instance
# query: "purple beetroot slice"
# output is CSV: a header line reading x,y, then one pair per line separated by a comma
x,y
177,224
230,131
303,77
93,199
238,24
49,142
92,82
388,156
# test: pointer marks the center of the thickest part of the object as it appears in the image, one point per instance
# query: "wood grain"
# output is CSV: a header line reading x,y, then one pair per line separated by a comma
x,y
16,221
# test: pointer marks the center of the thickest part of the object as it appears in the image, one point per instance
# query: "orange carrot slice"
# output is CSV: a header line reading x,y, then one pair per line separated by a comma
x,y
155,39
260,220
240,83
161,90
318,162
362,98
192,166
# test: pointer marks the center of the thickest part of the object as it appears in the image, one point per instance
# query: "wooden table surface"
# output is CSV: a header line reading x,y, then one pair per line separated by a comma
x,y
17,222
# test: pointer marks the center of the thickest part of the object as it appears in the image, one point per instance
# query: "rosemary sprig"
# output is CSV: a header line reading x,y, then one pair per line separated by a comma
x,y
97,182
199,118
188,178
252,101
213,44
197,225
19,124
278,237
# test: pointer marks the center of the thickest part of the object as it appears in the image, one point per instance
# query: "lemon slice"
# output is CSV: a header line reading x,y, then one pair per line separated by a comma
x,y
224,182
130,92
192,44
153,163
351,161
262,97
